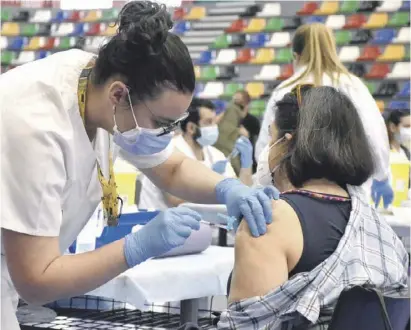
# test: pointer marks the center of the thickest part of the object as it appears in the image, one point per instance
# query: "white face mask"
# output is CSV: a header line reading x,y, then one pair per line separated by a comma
x,y
405,136
209,135
264,175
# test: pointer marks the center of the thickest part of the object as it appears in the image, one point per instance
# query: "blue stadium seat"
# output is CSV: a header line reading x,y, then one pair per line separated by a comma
x,y
42,54
205,57
60,16
405,92
257,40
220,106
17,43
316,19
78,30
199,88
181,27
400,105
405,5
383,36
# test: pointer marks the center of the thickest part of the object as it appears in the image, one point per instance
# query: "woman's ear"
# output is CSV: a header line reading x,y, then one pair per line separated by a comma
x,y
190,128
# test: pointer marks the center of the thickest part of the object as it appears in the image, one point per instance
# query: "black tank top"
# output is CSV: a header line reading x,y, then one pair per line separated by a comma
x,y
323,224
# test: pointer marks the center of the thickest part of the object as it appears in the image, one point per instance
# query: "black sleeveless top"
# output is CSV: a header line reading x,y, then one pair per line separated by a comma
x,y
323,224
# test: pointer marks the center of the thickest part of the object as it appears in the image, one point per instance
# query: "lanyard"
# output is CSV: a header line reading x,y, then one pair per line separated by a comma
x,y
110,197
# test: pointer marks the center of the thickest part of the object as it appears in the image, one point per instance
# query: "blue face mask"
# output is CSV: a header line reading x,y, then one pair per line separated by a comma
x,y
209,135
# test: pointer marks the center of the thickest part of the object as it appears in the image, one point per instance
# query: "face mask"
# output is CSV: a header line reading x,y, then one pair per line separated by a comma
x,y
264,175
208,135
140,141
405,135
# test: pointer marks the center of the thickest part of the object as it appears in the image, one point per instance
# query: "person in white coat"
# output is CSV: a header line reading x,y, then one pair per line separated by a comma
x,y
199,133
316,62
59,117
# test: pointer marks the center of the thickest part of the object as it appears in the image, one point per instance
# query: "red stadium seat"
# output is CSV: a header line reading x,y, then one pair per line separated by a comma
x,y
378,71
286,72
308,8
244,56
179,14
355,21
369,53
237,26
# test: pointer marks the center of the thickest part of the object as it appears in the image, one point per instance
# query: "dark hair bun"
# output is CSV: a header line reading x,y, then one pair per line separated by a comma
x,y
144,26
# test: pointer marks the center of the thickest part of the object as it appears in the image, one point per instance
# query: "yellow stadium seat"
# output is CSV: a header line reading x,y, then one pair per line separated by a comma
x,y
35,43
327,8
381,106
197,71
195,13
255,25
376,20
92,16
392,53
109,30
10,29
255,89
263,56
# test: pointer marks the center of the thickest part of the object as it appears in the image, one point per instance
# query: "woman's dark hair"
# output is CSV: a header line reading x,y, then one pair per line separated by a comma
x,y
194,111
328,138
145,53
394,117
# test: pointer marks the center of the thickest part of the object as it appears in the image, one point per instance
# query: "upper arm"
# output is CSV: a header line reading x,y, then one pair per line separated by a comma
x,y
262,264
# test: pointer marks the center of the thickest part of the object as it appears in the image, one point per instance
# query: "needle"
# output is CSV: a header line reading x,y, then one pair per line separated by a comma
x,y
214,225
228,227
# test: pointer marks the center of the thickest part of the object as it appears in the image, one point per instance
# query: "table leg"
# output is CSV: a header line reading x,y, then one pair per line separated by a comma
x,y
189,311
222,237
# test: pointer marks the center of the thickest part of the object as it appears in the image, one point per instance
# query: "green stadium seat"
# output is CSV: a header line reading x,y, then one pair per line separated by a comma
x,y
399,19
231,89
372,86
7,57
109,15
65,43
209,73
5,15
221,42
284,55
274,24
28,29
342,37
257,108
407,54
349,6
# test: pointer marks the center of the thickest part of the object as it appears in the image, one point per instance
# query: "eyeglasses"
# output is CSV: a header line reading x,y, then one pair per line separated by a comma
x,y
297,91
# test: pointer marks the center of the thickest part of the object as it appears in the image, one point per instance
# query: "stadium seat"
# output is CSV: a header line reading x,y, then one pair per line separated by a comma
x,y
243,56
60,16
357,69
24,57
61,30
399,105
291,23
6,14
403,36
255,89
237,40
279,39
380,105
228,72
342,37
383,37
263,56
268,72
251,11
316,19
196,13
109,15
335,22
221,42
376,21
220,106
389,6
355,21
28,29
205,57
65,43
181,27
386,89
73,16
92,29
236,26
256,40
407,54
274,24
349,6
209,73
399,19
41,54
108,30
226,56
41,16
372,86
255,25
10,29
327,8
361,37
49,43
17,43
199,88
178,13
392,53
212,90
34,43
370,53
405,6
308,9
257,108
286,72
78,30
270,10
21,16
349,53
3,43
284,55
7,57
231,88
401,70
368,6
92,16
404,92
378,71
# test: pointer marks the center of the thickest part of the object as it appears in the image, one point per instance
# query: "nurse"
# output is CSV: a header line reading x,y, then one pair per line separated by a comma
x,y
316,62
60,116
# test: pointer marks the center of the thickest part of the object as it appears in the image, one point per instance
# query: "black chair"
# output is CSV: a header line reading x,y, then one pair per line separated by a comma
x,y
361,308
368,6
237,40
228,73
251,11
387,89
357,69
361,37
21,16
291,23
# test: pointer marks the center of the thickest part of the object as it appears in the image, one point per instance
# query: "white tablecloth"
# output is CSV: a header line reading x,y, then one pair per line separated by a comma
x,y
401,222
172,279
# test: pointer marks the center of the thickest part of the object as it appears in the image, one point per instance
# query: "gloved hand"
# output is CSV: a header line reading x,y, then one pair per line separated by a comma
x,y
166,231
252,204
220,166
245,148
382,189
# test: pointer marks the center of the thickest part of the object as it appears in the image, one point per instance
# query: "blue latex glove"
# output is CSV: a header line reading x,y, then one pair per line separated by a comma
x,y
220,166
252,204
245,148
166,231
382,189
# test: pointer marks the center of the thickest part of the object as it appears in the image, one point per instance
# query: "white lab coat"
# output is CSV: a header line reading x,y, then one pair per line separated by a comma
x,y
49,183
152,197
368,110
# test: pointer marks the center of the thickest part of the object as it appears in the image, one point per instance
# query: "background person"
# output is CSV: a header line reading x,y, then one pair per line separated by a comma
x,y
399,131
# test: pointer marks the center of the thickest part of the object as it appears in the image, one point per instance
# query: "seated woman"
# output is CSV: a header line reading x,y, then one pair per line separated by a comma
x,y
325,236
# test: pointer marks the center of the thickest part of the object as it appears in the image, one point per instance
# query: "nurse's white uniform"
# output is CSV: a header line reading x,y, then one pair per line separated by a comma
x,y
152,198
49,183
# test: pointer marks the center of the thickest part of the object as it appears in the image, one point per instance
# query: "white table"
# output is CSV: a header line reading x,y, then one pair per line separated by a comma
x,y
401,223
183,278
